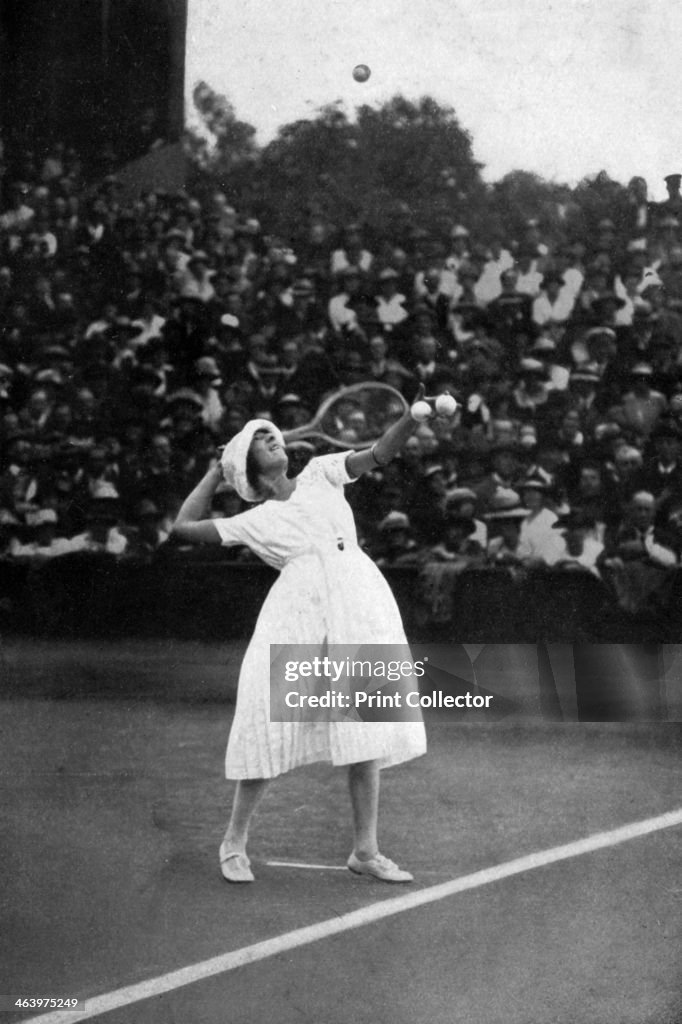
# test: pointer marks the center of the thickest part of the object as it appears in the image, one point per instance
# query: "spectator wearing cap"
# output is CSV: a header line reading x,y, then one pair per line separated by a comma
x,y
397,548
456,546
504,518
626,471
504,468
146,536
663,473
544,348
510,316
206,384
463,501
48,540
430,294
424,363
593,493
537,539
102,533
300,313
352,253
577,548
195,281
381,367
529,274
390,303
640,407
554,304
342,315
583,396
636,539
531,399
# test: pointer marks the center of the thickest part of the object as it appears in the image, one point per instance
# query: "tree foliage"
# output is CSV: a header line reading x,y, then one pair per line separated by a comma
x,y
402,164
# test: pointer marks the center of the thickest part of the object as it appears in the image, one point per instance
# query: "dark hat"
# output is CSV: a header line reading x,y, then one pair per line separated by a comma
x,y
576,519
675,178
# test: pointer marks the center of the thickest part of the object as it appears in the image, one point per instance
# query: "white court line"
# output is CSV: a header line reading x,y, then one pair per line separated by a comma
x,y
308,867
354,919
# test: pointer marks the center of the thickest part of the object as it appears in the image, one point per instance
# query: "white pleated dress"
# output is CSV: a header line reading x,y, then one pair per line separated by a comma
x,y
327,590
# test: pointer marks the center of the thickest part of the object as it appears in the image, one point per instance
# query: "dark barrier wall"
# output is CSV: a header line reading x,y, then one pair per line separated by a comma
x,y
198,596
84,70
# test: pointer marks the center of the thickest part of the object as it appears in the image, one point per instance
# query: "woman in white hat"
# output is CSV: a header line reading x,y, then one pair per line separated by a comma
x,y
328,591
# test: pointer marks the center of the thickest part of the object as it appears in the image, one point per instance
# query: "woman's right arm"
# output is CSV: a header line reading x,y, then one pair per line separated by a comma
x,y
190,525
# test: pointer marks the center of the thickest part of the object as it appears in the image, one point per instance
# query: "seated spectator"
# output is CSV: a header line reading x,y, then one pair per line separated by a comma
x,y
544,348
48,540
640,407
352,255
206,384
537,539
555,303
463,501
578,549
663,475
504,520
342,315
147,535
636,538
504,469
397,547
102,533
456,545
390,303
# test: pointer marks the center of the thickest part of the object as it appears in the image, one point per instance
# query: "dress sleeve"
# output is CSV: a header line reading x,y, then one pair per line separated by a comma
x,y
333,468
239,529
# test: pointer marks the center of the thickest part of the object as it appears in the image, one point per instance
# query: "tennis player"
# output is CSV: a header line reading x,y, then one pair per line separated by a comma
x,y
327,590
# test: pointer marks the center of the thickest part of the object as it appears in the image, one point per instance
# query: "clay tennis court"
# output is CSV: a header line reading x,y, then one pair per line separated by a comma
x,y
114,804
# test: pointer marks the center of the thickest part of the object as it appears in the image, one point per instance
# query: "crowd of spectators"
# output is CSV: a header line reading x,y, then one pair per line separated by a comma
x,y
136,337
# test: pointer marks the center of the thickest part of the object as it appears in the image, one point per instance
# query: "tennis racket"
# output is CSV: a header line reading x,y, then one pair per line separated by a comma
x,y
353,417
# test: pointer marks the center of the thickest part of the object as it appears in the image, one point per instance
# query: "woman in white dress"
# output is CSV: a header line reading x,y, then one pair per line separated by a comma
x,y
328,591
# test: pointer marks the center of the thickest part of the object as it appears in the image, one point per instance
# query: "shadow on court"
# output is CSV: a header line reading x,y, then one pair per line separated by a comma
x,y
113,806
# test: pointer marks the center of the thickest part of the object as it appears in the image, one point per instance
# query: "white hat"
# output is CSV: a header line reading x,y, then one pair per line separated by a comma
x,y
233,459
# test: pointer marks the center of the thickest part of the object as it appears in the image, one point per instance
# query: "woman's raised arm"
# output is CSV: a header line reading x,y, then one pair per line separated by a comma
x,y
388,445
190,524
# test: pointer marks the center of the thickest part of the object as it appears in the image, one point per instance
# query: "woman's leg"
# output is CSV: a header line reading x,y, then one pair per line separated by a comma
x,y
363,779
247,796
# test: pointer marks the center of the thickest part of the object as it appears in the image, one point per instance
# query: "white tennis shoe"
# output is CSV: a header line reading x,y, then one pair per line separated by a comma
x,y
379,867
234,865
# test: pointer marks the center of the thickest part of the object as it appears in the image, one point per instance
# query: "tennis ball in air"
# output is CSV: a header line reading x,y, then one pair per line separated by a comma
x,y
420,411
446,405
361,72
